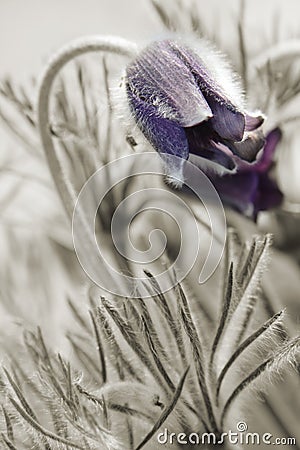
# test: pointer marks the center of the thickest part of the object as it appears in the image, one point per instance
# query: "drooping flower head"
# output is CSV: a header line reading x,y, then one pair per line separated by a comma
x,y
190,105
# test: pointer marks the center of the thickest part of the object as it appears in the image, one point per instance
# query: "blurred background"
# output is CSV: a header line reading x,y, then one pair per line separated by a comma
x,y
31,31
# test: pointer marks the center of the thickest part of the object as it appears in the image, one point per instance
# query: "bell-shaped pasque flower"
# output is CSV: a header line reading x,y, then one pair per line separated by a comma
x,y
191,105
251,189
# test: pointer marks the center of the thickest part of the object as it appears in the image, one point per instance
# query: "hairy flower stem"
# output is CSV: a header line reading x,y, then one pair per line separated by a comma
x,y
76,48
63,184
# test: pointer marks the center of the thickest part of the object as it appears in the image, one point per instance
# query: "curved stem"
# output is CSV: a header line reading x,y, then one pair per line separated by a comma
x,y
72,50
64,186
285,49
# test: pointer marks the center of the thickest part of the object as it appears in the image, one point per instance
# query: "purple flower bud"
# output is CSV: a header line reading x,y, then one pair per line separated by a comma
x,y
189,105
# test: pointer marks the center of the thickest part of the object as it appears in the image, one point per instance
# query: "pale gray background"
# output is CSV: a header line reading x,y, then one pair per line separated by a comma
x,y
30,30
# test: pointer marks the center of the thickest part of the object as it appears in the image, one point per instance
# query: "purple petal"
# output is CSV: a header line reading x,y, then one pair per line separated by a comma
x,y
272,140
206,82
216,156
253,122
238,190
165,136
226,121
248,148
213,159
160,78
268,195
200,144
